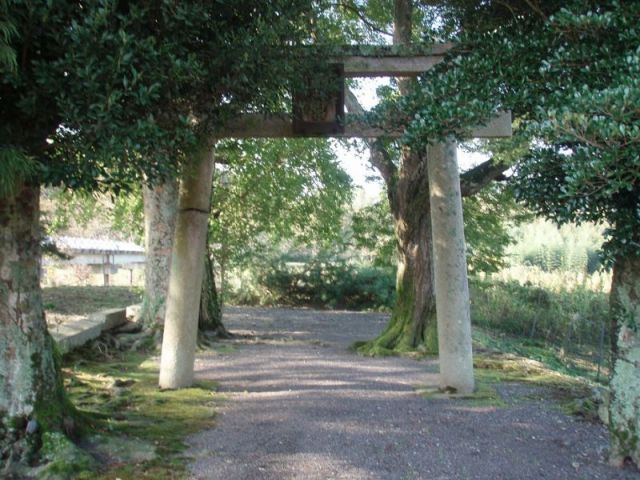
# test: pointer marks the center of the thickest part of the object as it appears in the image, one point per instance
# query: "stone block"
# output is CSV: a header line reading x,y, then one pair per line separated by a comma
x,y
112,318
133,312
74,334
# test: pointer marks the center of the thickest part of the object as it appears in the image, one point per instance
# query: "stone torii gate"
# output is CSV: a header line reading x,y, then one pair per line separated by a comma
x,y
450,267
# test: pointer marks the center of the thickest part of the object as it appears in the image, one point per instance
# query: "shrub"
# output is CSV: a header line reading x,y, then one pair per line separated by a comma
x,y
330,284
321,282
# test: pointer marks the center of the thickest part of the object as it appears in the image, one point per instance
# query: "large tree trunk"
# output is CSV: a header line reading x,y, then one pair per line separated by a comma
x,y
450,268
624,406
31,391
187,268
160,210
413,321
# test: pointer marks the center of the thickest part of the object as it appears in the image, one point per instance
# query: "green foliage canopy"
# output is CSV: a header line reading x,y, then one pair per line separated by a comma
x,y
108,91
569,73
487,218
587,165
266,191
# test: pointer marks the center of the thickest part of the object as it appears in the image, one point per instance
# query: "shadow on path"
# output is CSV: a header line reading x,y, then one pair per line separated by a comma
x,y
304,407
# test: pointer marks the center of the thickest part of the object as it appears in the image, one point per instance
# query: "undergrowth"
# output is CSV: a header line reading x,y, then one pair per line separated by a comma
x,y
86,300
575,321
572,365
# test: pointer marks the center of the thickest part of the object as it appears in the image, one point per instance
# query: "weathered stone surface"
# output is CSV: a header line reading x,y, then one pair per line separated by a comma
x,y
76,333
281,126
133,312
187,269
112,318
450,268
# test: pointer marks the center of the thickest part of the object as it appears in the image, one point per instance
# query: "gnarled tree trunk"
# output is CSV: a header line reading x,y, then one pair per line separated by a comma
x,y
160,210
624,405
30,383
413,321
187,268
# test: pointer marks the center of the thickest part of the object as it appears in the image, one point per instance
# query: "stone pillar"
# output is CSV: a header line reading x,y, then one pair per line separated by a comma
x,y
187,268
450,268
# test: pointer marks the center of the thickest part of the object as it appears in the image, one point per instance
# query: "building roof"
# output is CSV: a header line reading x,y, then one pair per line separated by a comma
x,y
94,245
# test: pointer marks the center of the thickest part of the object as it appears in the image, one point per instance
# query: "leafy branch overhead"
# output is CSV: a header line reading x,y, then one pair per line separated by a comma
x,y
570,75
123,90
289,190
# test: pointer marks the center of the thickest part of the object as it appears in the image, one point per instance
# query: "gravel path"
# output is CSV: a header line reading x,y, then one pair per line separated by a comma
x,y
301,406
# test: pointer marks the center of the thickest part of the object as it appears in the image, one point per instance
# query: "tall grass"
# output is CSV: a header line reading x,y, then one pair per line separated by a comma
x,y
574,320
553,293
555,281
570,248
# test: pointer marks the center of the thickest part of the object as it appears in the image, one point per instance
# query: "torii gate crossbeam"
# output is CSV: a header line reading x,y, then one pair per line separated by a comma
x,y
363,61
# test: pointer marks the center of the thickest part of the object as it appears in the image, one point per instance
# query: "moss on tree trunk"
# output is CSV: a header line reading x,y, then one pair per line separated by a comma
x,y
32,399
413,322
624,406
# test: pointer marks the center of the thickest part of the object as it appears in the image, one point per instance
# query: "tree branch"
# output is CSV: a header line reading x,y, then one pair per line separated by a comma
x,y
352,103
536,8
474,180
368,23
380,159
378,156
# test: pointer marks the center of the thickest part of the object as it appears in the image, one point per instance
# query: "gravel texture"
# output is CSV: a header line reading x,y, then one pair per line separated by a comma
x,y
301,406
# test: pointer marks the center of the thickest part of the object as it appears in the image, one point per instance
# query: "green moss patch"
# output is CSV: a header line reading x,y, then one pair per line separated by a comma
x,y
88,299
222,348
493,366
572,394
548,361
135,429
485,395
63,459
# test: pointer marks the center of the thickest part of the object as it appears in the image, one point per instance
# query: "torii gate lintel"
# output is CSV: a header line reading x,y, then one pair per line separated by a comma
x,y
358,61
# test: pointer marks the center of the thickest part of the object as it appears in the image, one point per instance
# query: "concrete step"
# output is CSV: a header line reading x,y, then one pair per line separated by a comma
x,y
76,333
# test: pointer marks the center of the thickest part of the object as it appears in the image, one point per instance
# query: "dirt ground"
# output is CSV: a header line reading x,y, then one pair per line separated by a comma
x,y
301,406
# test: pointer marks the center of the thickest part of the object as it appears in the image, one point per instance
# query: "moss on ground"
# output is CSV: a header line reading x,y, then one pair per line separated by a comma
x,y
495,363
550,359
64,459
395,341
485,395
123,405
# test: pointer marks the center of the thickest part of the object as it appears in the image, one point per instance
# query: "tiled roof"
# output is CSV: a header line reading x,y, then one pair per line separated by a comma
x,y
79,244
